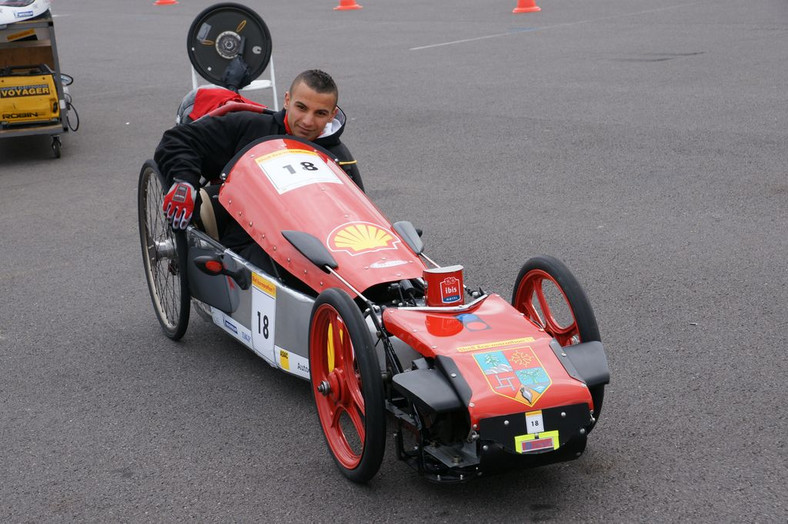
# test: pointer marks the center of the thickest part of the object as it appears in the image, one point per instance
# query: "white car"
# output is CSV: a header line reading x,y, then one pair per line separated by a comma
x,y
12,11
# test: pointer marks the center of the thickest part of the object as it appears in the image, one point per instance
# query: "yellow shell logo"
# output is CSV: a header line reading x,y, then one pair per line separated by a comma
x,y
361,237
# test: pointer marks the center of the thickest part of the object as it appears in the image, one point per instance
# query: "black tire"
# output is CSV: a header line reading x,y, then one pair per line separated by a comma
x,y
163,255
578,323
347,385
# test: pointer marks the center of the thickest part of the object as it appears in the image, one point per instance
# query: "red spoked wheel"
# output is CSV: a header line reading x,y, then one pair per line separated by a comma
x,y
347,385
551,297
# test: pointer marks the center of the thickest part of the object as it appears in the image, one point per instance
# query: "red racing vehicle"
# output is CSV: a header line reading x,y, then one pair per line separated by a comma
x,y
473,383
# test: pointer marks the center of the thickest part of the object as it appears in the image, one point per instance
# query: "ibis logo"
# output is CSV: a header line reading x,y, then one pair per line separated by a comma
x,y
361,237
450,290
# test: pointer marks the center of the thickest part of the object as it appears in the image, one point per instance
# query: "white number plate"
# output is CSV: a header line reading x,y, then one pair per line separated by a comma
x,y
263,316
534,422
288,170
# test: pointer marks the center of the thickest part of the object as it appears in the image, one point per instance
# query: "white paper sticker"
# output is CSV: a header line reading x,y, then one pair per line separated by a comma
x,y
292,363
288,170
534,422
263,316
231,326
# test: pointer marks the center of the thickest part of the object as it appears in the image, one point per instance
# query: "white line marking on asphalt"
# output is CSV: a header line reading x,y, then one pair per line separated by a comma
x,y
566,24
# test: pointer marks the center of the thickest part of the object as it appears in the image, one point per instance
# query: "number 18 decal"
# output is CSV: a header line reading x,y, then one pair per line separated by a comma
x,y
534,422
288,170
263,316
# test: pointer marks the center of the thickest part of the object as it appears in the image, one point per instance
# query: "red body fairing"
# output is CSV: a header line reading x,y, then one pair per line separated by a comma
x,y
482,383
472,384
284,184
504,358
287,185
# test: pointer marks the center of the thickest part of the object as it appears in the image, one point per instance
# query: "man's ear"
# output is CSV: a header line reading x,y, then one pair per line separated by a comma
x,y
287,99
334,113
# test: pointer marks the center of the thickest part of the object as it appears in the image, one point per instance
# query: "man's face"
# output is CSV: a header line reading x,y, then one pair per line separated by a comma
x,y
308,111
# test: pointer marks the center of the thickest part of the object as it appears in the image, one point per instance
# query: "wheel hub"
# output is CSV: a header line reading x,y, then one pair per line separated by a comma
x,y
334,387
324,388
164,249
228,44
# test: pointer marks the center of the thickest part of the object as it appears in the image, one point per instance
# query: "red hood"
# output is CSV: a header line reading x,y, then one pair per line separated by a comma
x,y
505,360
283,184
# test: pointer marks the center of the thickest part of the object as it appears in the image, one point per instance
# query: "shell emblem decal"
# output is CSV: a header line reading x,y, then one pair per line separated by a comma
x,y
361,237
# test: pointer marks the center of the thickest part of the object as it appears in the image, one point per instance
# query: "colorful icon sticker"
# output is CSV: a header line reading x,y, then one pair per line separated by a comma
x,y
473,322
515,373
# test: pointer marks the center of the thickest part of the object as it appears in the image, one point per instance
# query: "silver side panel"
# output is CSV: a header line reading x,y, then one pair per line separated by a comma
x,y
271,320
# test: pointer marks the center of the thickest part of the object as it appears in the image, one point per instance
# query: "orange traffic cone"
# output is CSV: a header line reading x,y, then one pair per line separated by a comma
x,y
526,6
165,2
346,5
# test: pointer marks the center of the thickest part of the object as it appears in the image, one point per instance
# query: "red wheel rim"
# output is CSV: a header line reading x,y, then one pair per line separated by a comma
x,y
333,365
532,297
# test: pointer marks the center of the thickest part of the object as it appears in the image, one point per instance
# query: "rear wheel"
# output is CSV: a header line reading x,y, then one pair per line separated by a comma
x,y
551,297
163,255
347,385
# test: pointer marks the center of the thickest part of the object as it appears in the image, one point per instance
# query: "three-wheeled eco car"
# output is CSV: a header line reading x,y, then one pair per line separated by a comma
x,y
472,382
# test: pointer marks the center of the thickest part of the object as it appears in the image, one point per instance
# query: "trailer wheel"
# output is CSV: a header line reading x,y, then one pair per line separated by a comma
x,y
56,146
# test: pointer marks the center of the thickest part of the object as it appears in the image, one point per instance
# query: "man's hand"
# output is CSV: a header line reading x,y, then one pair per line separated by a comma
x,y
179,204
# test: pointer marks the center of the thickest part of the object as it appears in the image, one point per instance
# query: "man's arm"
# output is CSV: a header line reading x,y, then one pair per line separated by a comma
x,y
187,152
203,147
190,151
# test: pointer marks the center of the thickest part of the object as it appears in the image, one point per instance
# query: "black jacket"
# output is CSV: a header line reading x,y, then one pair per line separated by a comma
x,y
204,147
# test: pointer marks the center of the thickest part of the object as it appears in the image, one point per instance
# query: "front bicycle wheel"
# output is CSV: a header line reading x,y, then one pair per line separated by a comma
x,y
550,296
163,255
347,385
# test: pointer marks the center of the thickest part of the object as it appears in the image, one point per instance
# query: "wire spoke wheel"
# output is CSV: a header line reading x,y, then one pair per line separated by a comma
x,y
551,297
163,255
347,385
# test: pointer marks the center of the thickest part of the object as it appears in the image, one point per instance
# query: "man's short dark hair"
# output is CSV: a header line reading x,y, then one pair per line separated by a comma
x,y
318,80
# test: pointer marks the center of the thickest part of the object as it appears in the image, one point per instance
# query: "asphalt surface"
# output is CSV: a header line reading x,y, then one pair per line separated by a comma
x,y
642,143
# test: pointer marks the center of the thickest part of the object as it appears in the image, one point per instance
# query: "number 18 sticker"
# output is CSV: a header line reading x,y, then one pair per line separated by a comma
x,y
263,316
288,170
534,422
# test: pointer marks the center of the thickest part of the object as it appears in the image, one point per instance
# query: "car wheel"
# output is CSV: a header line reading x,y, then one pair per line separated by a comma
x,y
551,297
347,385
163,255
